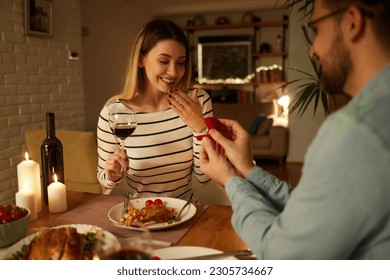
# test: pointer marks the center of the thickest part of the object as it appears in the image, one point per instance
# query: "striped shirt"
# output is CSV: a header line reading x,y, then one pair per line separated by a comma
x,y
163,152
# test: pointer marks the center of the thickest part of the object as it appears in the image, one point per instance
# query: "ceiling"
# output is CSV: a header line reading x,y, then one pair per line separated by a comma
x,y
183,7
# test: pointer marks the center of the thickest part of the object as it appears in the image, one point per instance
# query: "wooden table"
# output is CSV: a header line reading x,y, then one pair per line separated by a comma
x,y
213,229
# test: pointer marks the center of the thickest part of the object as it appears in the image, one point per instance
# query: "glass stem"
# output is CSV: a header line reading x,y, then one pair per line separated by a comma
x,y
122,144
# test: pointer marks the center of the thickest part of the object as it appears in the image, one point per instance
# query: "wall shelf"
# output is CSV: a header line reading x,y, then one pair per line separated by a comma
x,y
275,56
260,24
269,54
220,86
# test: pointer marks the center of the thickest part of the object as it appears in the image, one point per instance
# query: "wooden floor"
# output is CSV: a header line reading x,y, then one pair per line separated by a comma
x,y
289,172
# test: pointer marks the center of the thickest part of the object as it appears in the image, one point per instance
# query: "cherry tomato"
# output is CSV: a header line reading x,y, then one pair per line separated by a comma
x,y
155,258
16,216
3,213
158,202
148,203
10,213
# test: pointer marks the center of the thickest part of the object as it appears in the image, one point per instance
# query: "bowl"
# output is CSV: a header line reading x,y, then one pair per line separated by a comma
x,y
12,232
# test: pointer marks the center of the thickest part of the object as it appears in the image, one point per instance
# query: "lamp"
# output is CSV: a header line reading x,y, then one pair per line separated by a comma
x,y
284,101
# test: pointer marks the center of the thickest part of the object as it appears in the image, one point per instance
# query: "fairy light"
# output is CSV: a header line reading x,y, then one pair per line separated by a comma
x,y
240,81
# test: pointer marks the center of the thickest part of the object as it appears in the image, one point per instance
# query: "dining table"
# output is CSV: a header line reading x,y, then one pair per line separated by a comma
x,y
210,227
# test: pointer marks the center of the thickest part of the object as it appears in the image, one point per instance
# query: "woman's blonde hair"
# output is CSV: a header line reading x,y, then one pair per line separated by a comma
x,y
153,32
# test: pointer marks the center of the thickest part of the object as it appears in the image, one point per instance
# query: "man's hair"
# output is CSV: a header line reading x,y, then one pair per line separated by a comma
x,y
381,15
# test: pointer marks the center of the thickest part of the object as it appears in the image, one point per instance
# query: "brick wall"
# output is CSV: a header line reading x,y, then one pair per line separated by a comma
x,y
36,76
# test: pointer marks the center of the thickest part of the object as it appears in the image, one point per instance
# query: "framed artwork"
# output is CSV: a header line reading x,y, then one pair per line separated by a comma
x,y
39,17
224,60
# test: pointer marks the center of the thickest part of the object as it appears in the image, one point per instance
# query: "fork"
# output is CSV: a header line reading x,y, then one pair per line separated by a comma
x,y
125,203
178,216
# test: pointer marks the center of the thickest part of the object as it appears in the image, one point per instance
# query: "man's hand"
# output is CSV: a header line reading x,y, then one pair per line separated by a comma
x,y
235,158
237,147
214,164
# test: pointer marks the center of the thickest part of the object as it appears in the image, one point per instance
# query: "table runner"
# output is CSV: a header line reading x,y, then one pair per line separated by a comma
x,y
95,213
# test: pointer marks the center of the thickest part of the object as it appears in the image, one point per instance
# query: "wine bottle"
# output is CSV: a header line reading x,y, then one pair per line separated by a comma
x,y
51,156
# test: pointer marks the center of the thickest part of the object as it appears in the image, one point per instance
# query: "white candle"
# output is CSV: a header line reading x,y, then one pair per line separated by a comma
x,y
26,198
29,174
56,193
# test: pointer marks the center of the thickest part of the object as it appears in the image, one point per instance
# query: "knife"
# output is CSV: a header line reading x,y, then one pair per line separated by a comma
x,y
238,253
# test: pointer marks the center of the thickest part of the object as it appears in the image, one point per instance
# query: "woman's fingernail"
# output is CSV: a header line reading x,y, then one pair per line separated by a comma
x,y
170,90
169,95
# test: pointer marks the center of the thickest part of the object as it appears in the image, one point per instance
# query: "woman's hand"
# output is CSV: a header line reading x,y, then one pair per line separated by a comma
x,y
117,165
188,108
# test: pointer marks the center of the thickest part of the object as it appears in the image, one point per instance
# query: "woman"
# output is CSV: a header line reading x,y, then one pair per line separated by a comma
x,y
163,151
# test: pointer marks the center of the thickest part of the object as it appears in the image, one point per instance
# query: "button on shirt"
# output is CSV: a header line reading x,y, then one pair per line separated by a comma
x,y
340,208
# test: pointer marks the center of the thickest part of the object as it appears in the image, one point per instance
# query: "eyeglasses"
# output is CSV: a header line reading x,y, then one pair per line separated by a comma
x,y
310,29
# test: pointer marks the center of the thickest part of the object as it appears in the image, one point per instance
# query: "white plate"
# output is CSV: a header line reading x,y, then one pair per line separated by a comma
x,y
114,214
178,252
110,239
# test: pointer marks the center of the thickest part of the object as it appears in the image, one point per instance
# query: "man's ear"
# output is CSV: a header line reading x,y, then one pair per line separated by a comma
x,y
355,24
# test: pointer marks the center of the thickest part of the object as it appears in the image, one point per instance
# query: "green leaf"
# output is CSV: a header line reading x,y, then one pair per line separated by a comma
x,y
304,6
308,88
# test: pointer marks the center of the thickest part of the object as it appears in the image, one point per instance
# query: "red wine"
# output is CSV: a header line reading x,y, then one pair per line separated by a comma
x,y
127,255
51,156
123,131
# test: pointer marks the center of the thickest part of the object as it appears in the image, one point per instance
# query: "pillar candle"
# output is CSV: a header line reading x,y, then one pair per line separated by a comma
x,y
29,174
56,193
26,198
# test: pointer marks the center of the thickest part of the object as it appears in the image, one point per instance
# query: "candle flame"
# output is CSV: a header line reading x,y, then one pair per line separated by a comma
x,y
55,178
26,155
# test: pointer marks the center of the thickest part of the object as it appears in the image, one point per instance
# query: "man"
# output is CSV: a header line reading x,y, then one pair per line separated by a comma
x,y
340,208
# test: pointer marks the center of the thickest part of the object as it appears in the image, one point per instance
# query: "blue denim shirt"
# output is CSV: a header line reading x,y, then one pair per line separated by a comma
x,y
340,208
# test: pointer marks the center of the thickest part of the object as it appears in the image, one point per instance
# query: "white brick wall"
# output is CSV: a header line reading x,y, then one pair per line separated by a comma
x,y
36,77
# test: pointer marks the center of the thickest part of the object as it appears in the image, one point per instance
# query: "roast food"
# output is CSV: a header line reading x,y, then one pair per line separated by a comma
x,y
62,243
155,213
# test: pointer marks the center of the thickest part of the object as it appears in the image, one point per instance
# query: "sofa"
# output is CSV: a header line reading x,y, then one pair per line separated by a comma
x,y
80,157
269,139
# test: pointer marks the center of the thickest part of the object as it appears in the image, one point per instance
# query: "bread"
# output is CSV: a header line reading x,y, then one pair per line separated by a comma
x,y
63,243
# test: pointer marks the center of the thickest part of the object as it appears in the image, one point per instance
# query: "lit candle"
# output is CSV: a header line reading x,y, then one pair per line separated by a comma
x,y
56,193
26,198
29,175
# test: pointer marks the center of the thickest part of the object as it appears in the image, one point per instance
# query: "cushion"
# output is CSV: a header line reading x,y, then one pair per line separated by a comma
x,y
261,142
254,125
264,127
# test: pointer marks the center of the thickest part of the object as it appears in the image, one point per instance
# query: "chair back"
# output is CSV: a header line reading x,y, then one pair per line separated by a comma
x,y
80,157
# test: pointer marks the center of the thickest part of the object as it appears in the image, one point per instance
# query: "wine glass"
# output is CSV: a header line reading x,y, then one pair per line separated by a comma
x,y
137,247
122,121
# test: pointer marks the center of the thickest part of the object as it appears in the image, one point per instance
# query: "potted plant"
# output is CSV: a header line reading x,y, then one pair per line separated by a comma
x,y
308,89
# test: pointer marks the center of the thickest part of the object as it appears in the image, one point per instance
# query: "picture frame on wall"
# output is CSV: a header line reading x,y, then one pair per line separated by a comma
x,y
224,58
39,17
